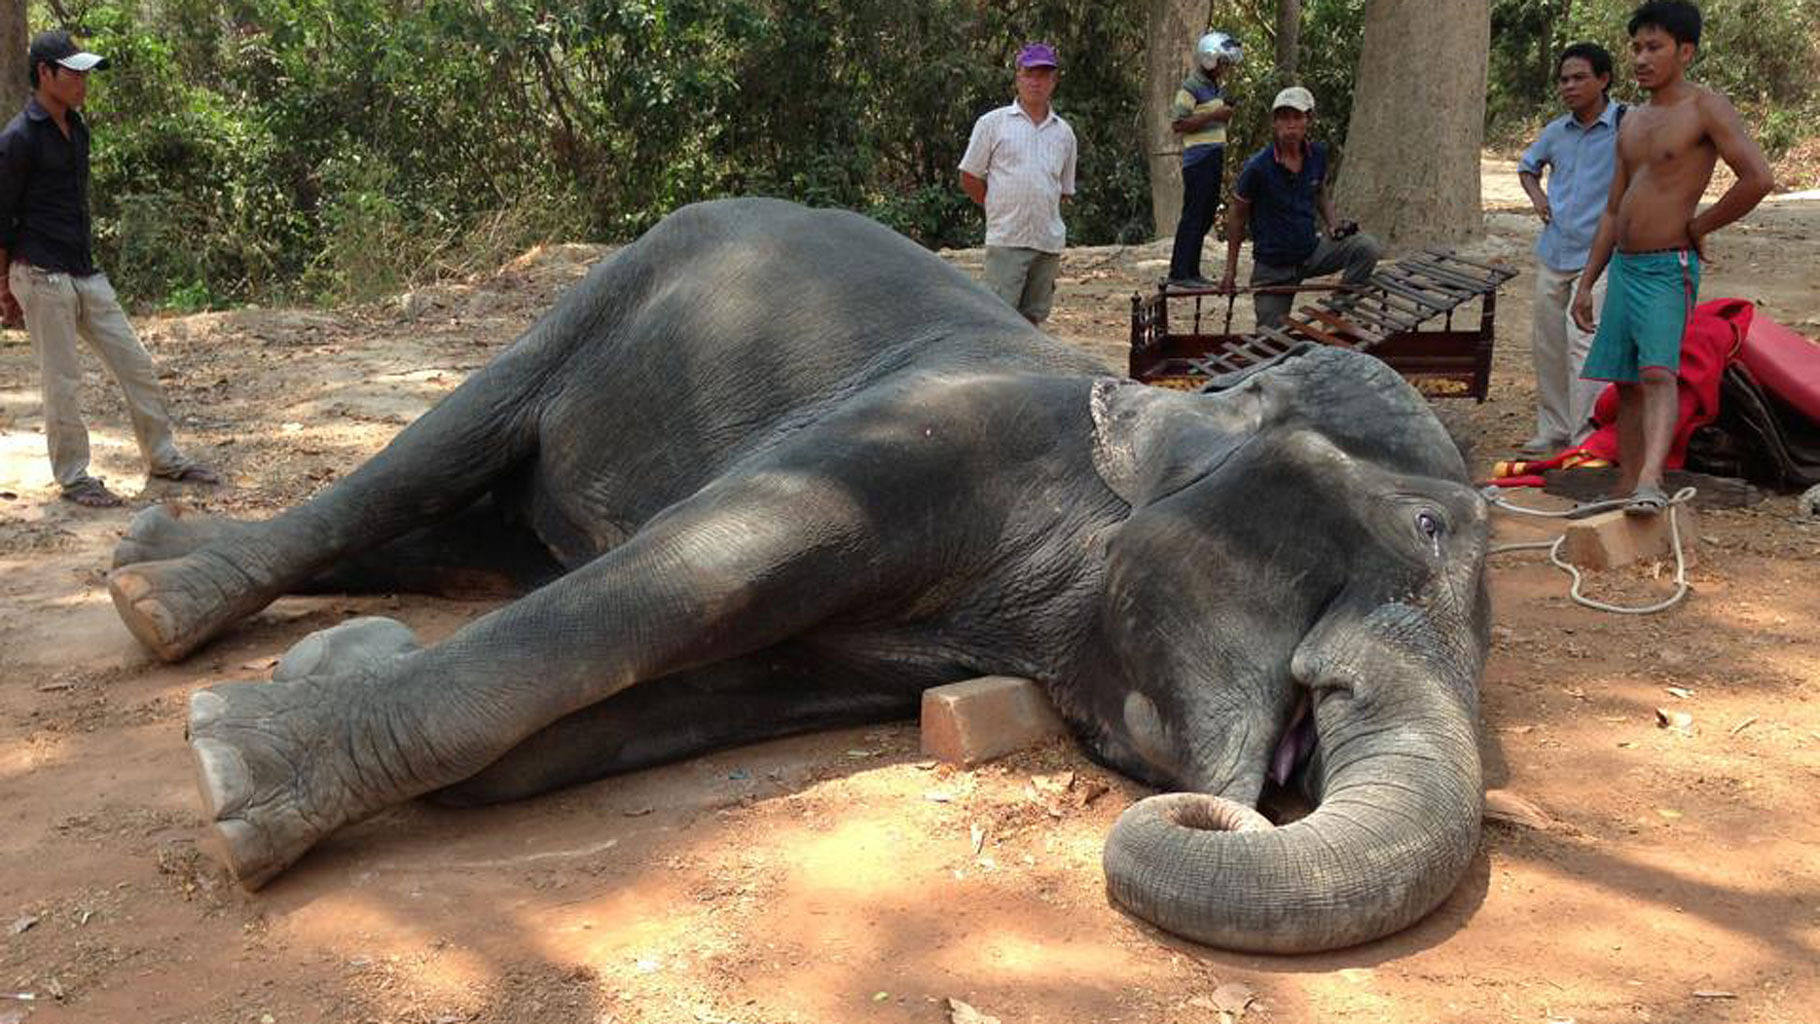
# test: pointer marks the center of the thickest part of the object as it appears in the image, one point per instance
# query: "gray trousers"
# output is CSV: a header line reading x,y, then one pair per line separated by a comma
x,y
1564,401
1357,255
59,308
1024,278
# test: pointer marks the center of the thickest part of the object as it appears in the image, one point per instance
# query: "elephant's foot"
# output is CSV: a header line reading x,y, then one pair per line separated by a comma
x,y
176,605
160,532
280,765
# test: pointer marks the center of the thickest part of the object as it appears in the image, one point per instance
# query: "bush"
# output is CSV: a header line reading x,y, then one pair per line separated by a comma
x,y
274,147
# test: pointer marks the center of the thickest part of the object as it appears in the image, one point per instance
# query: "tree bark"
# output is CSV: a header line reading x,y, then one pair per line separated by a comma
x,y
1172,29
1289,39
13,72
1411,170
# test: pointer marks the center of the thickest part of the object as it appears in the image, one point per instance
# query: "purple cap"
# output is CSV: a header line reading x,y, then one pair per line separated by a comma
x,y
1037,55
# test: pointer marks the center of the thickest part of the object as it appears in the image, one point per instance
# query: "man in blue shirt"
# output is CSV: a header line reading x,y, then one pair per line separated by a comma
x,y
1281,191
1579,151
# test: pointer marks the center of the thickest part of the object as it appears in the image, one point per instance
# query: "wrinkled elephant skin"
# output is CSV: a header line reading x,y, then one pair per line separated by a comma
x,y
771,469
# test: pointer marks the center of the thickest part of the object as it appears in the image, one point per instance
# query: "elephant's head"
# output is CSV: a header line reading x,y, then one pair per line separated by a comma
x,y
1298,592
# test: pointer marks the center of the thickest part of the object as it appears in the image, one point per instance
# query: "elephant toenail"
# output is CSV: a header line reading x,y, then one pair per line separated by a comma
x,y
205,707
221,776
303,658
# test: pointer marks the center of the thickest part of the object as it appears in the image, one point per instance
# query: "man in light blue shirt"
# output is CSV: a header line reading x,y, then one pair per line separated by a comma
x,y
1579,151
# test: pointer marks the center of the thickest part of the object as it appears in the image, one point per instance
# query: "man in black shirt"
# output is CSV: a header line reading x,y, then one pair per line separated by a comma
x,y
50,279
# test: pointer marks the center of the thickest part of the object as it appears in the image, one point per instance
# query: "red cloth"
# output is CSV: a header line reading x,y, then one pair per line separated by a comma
x,y
1714,338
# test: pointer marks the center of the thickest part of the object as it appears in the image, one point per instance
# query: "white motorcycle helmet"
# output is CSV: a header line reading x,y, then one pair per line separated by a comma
x,y
1216,48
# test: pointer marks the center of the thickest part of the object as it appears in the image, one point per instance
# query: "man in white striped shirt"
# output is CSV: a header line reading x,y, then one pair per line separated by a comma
x,y
1019,164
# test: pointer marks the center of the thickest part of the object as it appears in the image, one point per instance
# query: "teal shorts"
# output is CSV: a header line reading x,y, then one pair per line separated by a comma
x,y
1649,299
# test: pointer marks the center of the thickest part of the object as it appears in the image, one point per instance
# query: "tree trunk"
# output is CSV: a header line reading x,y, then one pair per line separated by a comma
x,y
1289,38
1173,27
13,72
1411,170
1545,54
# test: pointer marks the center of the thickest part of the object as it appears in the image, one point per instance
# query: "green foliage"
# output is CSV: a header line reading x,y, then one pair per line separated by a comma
x,y
346,148
1329,58
341,149
1762,54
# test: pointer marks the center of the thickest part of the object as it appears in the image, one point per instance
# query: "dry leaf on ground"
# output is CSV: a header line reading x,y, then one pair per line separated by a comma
x,y
1502,805
961,1013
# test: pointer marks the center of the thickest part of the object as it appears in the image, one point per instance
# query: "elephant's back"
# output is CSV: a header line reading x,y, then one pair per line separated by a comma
x,y
735,321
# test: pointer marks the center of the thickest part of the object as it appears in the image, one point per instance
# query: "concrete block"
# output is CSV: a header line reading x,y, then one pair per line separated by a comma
x,y
1612,539
980,719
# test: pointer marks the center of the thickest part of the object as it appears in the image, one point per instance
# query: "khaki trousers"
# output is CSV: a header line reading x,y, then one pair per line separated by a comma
x,y
1564,401
59,308
1024,278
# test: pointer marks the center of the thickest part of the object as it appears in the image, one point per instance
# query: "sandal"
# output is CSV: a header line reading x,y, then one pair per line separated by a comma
x,y
1588,509
194,473
1647,501
92,493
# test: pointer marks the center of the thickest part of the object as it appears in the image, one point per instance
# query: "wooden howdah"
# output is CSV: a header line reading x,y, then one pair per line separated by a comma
x,y
1182,337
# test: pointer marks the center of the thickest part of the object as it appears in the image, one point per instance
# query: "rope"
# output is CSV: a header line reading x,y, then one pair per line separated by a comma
x,y
1553,547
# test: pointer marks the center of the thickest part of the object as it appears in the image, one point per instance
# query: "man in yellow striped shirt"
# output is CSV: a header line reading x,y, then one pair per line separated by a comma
x,y
1199,115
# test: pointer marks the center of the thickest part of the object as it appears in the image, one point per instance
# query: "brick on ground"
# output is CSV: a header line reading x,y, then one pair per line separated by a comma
x,y
1612,539
980,719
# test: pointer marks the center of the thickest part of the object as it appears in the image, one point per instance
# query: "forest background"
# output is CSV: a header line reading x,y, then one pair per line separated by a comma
x,y
277,151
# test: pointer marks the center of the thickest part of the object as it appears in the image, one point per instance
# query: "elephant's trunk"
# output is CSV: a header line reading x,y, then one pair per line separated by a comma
x,y
1397,825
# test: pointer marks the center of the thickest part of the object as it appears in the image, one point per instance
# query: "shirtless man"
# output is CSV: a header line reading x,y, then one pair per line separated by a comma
x,y
1667,149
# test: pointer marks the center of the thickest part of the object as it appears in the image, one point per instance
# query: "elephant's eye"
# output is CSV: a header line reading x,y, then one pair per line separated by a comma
x,y
1430,526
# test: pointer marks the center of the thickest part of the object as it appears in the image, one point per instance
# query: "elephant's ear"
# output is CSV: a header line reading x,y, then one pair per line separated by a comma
x,y
1150,442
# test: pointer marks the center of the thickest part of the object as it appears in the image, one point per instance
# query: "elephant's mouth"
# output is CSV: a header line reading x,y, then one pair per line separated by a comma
x,y
1298,742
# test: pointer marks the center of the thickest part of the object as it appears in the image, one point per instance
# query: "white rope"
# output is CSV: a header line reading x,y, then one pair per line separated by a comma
x,y
1553,547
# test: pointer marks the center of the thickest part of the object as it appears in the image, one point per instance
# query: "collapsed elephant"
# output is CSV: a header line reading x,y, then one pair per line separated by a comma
x,y
771,469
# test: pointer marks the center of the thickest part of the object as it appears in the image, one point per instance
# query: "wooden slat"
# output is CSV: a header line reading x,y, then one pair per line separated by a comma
x,y
1369,333
1213,366
1385,276
1447,284
1396,316
1419,277
1284,341
1251,349
1379,321
1403,307
1383,318
1334,340
1479,285
1391,285
1506,273
1413,279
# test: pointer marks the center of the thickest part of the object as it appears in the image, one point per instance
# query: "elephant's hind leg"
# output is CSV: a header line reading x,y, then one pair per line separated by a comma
x,y
477,555
439,465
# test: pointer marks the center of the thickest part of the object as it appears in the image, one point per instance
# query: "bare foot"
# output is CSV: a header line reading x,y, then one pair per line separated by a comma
x,y
280,765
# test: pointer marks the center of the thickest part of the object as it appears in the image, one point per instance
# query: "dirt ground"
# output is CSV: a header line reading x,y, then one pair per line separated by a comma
x,y
840,877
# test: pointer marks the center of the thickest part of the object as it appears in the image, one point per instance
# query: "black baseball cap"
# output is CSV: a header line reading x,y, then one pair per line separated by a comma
x,y
54,46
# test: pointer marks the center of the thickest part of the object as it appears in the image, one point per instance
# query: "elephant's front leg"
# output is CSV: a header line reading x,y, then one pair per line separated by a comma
x,y
358,718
